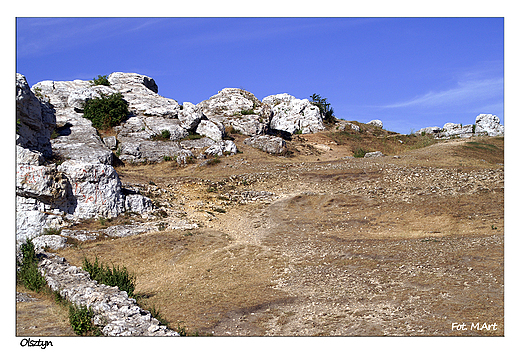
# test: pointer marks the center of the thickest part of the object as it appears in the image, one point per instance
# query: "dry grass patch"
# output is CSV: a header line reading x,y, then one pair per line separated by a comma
x,y
192,277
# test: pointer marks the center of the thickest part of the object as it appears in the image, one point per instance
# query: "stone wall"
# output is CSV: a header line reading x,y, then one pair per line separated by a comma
x,y
114,311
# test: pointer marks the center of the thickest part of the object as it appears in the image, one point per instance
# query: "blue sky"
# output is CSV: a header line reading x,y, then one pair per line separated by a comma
x,y
408,72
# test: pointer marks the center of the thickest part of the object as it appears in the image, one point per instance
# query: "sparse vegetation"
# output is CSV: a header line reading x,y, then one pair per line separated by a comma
x,y
106,111
325,109
80,318
214,161
246,112
28,273
100,80
360,152
114,276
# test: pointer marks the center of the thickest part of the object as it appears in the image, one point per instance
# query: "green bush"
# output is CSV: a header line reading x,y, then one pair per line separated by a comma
x,y
165,134
360,152
101,80
106,111
29,275
80,318
116,276
246,112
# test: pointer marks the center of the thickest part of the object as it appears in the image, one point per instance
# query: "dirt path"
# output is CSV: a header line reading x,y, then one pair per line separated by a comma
x,y
323,244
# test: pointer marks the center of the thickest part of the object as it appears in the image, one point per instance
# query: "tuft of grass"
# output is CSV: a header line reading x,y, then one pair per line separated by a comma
x,y
214,161
80,318
114,276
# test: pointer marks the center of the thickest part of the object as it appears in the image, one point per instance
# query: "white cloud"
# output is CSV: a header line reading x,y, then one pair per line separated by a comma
x,y
466,92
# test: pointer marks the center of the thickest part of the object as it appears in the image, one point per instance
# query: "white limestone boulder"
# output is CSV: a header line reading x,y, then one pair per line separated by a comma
x,y
294,115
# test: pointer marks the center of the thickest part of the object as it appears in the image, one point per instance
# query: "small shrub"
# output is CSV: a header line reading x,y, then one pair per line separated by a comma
x,y
325,109
80,319
193,136
214,161
360,152
29,275
101,80
165,134
246,112
52,231
167,158
106,111
116,276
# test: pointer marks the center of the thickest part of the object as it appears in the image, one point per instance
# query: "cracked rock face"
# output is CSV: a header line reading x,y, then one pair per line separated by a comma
x,y
35,119
239,109
294,115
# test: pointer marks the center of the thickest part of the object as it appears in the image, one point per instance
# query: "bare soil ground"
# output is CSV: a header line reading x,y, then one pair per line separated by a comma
x,y
320,244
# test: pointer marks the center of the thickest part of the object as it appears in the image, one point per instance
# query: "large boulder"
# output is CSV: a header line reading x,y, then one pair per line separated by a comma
x,y
96,189
376,123
141,94
267,143
35,119
212,129
293,115
239,109
41,195
452,129
488,124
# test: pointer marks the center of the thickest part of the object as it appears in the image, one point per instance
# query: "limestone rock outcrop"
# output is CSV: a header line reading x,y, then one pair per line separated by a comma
x,y
488,124
267,143
293,115
239,109
35,119
376,123
485,124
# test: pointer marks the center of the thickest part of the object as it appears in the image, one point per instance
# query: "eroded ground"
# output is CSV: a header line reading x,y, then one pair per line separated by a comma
x,y
321,244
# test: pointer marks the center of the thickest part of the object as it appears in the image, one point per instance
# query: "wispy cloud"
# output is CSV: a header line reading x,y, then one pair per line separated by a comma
x,y
51,35
466,92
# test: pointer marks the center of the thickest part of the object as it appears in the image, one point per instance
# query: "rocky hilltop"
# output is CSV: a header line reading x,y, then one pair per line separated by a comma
x,y
65,167
258,220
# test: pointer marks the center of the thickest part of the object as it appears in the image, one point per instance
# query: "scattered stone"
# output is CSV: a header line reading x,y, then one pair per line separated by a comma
x,y
374,154
225,147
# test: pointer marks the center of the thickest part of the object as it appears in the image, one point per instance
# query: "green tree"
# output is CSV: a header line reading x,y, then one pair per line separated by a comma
x,y
325,109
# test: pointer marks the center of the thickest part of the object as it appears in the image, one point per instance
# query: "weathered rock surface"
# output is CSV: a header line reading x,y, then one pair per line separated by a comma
x,y
488,124
452,129
35,119
429,130
114,311
96,189
374,154
485,124
267,143
77,138
212,129
294,115
222,148
376,123
239,109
